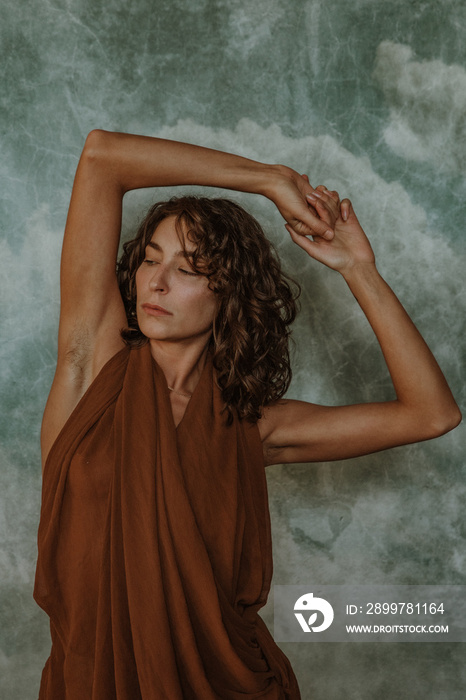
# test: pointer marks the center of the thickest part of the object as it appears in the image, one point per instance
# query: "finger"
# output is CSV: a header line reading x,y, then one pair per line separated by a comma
x,y
303,230
322,190
305,177
324,205
325,212
307,224
333,194
303,242
320,229
346,209
312,209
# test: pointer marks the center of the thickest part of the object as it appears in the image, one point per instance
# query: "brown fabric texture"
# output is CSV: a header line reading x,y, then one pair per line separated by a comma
x,y
155,548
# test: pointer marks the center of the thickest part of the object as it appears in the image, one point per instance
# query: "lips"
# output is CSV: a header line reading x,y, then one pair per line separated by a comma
x,y
155,310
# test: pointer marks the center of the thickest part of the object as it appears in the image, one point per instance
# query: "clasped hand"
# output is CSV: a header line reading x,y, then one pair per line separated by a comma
x,y
327,229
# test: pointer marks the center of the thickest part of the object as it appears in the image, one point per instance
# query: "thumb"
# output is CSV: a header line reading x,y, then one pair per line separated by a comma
x,y
346,209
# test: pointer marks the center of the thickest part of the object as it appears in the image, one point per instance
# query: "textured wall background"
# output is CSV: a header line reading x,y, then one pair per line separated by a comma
x,y
366,96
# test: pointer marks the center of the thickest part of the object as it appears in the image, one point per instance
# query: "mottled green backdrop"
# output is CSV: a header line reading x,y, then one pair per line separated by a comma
x,y
367,96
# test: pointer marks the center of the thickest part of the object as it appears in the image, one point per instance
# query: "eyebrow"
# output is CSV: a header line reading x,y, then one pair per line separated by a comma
x,y
178,254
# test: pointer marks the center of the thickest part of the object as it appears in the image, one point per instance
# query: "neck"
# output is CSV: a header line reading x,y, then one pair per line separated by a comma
x,y
181,362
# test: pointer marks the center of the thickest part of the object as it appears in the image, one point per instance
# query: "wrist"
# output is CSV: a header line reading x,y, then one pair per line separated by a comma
x,y
361,272
272,178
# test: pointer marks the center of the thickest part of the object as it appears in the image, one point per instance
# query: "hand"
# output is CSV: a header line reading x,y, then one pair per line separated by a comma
x,y
348,247
290,194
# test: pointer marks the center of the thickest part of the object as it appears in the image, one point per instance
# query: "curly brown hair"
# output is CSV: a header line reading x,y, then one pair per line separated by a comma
x,y
257,301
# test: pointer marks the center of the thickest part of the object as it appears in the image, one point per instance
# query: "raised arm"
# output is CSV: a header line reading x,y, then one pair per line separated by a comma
x,y
297,431
92,313
110,165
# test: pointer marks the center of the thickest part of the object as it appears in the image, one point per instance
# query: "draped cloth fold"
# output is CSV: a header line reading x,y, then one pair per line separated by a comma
x,y
155,547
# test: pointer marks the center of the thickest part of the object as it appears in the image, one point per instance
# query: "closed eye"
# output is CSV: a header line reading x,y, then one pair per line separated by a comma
x,y
148,261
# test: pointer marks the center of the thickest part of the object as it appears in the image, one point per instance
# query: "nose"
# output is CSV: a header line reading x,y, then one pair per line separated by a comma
x,y
159,279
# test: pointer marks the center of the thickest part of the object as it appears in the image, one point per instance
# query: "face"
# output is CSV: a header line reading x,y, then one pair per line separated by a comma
x,y
174,302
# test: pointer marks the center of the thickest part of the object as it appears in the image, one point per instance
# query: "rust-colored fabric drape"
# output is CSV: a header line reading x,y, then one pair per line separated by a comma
x,y
155,548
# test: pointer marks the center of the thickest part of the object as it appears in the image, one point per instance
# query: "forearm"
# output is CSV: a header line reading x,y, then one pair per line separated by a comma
x,y
114,163
418,381
134,162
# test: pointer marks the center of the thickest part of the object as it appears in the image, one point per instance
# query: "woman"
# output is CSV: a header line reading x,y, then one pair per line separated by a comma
x,y
154,541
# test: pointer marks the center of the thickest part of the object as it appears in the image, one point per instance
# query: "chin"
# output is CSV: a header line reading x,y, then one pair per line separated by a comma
x,y
151,329
155,335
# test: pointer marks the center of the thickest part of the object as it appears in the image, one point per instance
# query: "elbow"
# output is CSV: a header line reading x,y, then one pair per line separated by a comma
x,y
445,421
454,418
96,145
98,158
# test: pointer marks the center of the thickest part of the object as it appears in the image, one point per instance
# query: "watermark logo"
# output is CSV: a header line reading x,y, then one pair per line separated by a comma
x,y
308,603
370,613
